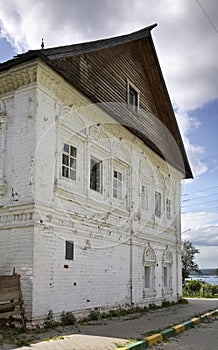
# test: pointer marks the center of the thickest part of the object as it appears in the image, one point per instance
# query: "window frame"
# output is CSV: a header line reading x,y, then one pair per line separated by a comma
x,y
158,204
131,88
167,271
148,277
69,245
144,195
71,158
165,276
168,208
119,183
98,184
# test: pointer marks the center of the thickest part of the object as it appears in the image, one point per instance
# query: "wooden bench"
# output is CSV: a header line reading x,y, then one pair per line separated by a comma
x,y
11,302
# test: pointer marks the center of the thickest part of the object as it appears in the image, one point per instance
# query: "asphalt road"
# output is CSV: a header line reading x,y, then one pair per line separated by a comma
x,y
203,337
105,334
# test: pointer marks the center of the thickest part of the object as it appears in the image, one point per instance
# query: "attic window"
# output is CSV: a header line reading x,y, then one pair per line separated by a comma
x,y
132,98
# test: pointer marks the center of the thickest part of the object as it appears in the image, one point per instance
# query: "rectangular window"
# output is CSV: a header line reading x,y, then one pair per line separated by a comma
x,y
165,276
147,277
117,184
168,208
69,162
96,175
69,250
132,98
144,197
158,204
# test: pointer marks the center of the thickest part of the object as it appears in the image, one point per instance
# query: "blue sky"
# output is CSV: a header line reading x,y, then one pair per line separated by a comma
x,y
186,42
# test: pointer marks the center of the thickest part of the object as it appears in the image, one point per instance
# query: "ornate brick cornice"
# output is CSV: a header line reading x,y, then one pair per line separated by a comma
x,y
37,71
17,77
60,87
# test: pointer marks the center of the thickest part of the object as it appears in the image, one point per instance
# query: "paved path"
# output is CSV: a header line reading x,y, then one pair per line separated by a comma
x,y
105,335
202,337
154,320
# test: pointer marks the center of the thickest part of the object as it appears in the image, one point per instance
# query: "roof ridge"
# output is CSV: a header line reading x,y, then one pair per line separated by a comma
x,y
88,46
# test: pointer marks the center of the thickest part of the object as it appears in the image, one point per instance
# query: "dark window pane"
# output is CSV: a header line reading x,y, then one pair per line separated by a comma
x,y
73,151
65,159
69,251
65,171
95,175
66,148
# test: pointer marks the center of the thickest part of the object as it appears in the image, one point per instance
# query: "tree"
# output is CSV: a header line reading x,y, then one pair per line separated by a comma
x,y
188,263
216,272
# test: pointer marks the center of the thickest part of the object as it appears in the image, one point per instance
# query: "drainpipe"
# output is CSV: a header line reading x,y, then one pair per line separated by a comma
x,y
131,296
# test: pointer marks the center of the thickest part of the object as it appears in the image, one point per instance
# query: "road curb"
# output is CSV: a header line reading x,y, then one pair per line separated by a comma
x,y
169,332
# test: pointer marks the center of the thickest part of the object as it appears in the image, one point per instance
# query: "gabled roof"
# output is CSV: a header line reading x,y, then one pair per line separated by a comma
x,y
68,50
58,58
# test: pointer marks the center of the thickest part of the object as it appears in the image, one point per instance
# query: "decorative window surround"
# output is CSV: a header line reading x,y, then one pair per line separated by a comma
x,y
149,261
167,270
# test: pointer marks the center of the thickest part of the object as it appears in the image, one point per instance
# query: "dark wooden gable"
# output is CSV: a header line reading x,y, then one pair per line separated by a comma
x,y
101,69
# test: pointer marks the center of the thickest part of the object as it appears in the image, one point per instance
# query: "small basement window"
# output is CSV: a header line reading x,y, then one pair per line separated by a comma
x,y
69,250
132,98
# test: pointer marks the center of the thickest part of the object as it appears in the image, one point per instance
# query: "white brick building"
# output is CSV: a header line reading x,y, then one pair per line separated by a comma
x,y
90,171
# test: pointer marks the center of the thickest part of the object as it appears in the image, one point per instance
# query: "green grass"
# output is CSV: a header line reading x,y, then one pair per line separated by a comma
x,y
25,337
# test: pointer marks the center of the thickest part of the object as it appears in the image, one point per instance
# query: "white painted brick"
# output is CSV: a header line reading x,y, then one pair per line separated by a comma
x,y
99,226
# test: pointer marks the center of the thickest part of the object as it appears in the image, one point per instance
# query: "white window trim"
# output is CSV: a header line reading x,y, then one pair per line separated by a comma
x,y
67,166
123,167
118,182
149,260
146,194
161,204
168,208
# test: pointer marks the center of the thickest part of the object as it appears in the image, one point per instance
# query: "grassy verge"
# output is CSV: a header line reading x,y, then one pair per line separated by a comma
x,y
53,329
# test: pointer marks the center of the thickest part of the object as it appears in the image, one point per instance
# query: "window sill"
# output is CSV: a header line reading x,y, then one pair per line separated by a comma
x,y
167,291
148,293
3,189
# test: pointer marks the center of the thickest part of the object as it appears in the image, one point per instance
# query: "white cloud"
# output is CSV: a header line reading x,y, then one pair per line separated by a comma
x,y
185,40
195,153
208,257
201,228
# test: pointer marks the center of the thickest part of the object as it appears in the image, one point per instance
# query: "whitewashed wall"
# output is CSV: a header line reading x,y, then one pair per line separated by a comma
x,y
108,269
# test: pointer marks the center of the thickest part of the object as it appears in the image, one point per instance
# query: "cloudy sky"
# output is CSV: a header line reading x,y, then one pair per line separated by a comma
x,y
186,42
